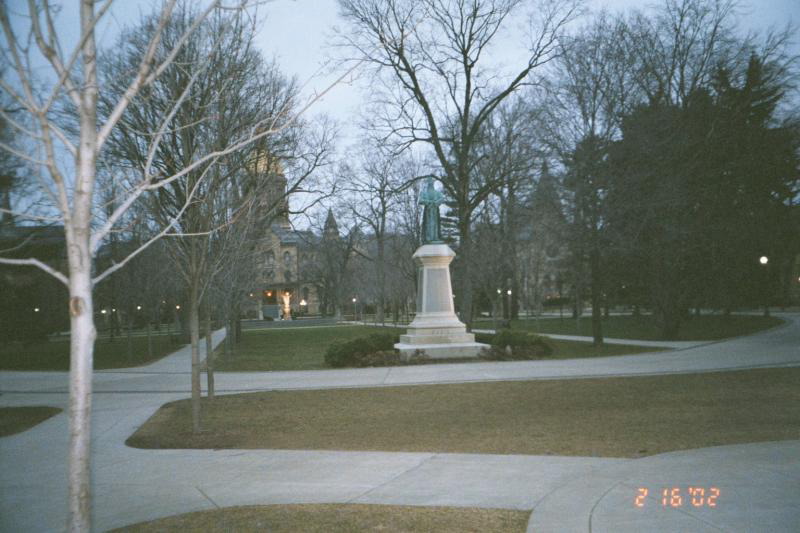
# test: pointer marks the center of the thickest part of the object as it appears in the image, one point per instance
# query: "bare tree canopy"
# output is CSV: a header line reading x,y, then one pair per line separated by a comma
x,y
431,57
73,116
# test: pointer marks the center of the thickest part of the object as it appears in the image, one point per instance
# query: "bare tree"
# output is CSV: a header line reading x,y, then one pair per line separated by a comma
x,y
678,47
374,185
508,150
594,87
217,87
72,87
333,264
437,88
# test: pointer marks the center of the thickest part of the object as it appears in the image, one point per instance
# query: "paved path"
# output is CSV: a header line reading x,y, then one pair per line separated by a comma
x,y
758,483
774,348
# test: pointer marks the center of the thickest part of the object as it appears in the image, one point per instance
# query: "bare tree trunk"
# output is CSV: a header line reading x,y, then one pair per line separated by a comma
x,y
597,311
130,337
82,337
229,333
380,312
81,308
149,340
209,352
194,335
465,250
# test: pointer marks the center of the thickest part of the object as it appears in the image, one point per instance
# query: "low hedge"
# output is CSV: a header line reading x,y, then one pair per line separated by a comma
x,y
515,345
378,349
372,350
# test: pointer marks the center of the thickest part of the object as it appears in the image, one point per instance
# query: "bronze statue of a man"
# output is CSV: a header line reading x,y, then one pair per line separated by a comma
x,y
431,199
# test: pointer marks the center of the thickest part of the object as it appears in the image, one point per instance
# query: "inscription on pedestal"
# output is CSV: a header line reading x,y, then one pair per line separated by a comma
x,y
438,331
438,300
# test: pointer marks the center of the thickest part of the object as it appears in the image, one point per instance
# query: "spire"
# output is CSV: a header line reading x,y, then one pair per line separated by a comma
x,y
331,227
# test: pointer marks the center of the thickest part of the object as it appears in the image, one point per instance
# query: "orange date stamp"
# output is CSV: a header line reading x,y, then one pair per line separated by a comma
x,y
680,496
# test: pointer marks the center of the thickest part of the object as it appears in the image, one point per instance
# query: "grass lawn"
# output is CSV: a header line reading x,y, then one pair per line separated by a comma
x,y
288,349
304,349
15,420
339,518
611,417
54,354
644,327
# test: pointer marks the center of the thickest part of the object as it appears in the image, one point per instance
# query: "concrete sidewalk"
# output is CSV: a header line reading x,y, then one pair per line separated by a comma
x,y
759,483
777,347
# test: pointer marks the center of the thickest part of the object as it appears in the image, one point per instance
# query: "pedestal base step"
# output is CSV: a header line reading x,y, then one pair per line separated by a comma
x,y
456,350
437,338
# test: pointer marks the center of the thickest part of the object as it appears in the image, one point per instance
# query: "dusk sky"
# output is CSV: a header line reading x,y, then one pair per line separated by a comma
x,y
297,34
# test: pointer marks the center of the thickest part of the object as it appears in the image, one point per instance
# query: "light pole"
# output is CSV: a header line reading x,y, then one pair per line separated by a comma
x,y
177,321
764,260
355,316
496,309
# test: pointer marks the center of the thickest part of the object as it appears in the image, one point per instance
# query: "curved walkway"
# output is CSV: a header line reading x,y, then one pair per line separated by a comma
x,y
776,347
758,483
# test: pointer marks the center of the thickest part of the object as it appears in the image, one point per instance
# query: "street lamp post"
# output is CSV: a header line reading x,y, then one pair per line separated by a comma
x,y
496,309
355,315
764,260
177,322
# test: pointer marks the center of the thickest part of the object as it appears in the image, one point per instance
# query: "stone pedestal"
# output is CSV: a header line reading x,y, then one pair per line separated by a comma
x,y
436,330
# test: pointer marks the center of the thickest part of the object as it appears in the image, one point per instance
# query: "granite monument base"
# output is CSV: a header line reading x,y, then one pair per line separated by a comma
x,y
436,330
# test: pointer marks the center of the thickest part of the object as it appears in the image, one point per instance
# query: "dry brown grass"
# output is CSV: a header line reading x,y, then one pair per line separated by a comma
x,y
344,518
290,349
618,417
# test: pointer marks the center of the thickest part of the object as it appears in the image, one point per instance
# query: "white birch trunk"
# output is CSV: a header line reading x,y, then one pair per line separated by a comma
x,y
82,330
82,339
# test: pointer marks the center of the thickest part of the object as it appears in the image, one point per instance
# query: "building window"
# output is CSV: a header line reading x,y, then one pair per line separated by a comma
x,y
269,260
287,258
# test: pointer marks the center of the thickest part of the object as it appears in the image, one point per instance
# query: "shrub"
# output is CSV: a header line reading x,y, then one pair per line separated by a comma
x,y
389,358
362,351
484,338
510,345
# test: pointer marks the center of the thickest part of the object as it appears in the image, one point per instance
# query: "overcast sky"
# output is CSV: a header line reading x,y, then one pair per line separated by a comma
x,y
297,33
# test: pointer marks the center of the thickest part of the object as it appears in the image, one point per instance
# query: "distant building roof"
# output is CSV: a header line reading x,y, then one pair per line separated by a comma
x,y
288,236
